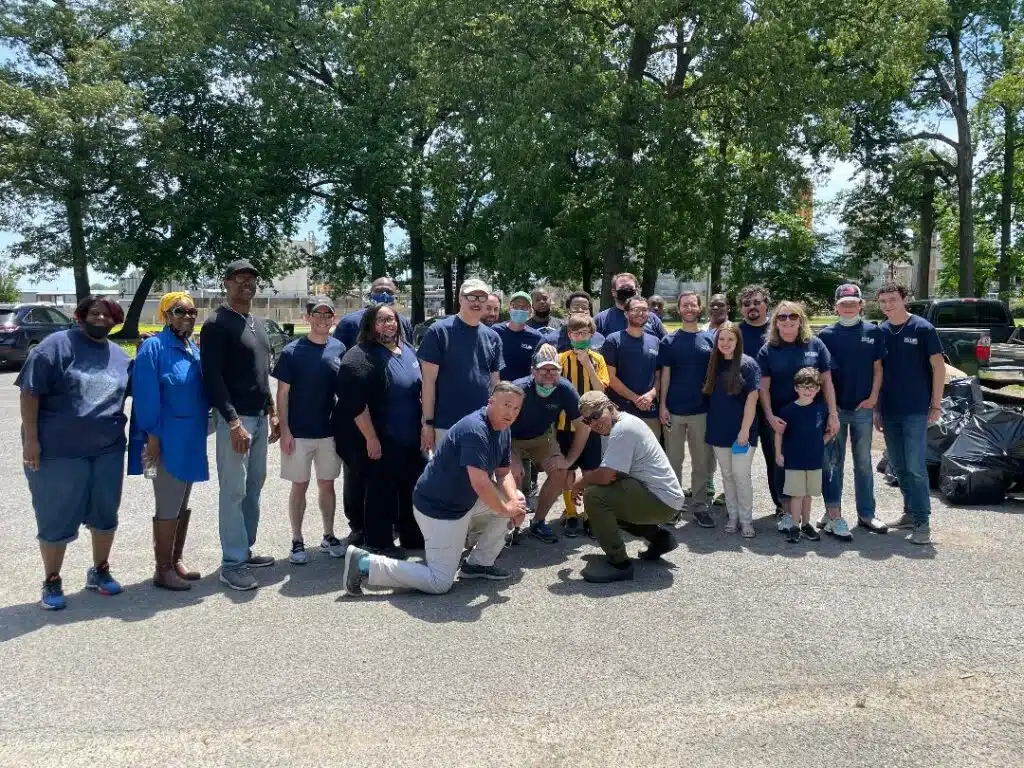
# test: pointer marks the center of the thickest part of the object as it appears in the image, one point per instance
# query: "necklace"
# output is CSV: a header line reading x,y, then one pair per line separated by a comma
x,y
903,326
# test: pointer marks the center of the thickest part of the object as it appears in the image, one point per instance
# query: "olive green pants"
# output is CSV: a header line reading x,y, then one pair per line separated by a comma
x,y
624,504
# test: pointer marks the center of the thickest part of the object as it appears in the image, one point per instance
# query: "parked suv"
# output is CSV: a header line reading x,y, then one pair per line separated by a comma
x,y
22,326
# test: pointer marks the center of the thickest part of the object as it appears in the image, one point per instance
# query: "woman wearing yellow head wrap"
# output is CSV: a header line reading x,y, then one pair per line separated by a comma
x,y
169,415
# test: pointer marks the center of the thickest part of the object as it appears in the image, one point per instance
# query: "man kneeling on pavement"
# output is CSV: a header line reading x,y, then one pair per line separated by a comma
x,y
634,489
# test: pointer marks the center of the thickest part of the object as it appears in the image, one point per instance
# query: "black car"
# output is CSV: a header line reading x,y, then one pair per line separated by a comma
x,y
23,326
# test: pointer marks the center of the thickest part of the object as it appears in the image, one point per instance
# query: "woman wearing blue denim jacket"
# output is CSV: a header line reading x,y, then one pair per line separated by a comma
x,y
168,433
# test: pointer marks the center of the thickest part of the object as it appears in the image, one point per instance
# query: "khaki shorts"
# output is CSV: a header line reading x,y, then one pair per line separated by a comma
x,y
309,451
540,450
803,482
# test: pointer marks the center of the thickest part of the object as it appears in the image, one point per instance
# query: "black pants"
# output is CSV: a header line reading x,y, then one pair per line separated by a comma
x,y
353,495
387,485
766,435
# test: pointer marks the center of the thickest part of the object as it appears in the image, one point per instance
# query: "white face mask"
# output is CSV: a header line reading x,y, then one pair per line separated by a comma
x,y
849,322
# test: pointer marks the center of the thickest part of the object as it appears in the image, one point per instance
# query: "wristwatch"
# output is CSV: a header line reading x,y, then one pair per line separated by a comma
x,y
428,422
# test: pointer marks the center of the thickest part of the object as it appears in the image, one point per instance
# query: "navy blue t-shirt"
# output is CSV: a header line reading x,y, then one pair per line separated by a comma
x,y
347,329
686,355
754,337
517,348
636,362
560,340
725,411
803,442
539,414
311,371
613,319
403,396
781,364
466,356
907,368
80,385
443,491
854,351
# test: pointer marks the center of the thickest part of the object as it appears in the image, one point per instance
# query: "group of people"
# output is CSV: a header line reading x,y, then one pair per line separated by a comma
x,y
440,445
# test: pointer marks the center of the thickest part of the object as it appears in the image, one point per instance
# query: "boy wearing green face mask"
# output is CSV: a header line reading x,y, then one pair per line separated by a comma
x,y
587,371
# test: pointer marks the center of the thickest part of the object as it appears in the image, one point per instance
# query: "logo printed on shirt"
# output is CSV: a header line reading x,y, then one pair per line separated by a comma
x,y
810,358
867,340
910,340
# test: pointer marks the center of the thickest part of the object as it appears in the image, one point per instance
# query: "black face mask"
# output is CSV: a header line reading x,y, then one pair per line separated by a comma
x,y
622,294
96,332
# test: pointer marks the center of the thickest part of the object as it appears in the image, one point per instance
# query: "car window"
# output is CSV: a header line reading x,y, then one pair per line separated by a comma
x,y
993,313
7,317
919,308
36,316
965,314
56,318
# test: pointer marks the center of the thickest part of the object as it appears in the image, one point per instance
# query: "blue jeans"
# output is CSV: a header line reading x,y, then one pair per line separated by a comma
x,y
240,476
905,441
858,424
69,493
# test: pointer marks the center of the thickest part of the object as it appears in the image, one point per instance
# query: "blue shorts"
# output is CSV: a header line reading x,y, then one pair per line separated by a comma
x,y
70,493
591,456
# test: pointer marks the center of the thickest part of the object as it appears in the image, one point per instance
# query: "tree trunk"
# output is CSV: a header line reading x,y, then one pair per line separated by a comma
x,y
1006,201
417,262
718,234
587,266
76,230
922,289
449,288
375,216
652,263
620,214
461,267
964,166
130,329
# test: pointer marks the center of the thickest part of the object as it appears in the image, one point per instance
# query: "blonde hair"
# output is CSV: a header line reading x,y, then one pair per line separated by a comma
x,y
803,335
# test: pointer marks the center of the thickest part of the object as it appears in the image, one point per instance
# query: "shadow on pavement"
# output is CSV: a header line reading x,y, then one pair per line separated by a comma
x,y
465,602
648,577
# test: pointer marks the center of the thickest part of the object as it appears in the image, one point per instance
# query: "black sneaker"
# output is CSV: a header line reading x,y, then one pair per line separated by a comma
x,y
793,534
351,577
298,555
779,512
259,561
810,532
571,527
490,572
703,519
603,571
662,544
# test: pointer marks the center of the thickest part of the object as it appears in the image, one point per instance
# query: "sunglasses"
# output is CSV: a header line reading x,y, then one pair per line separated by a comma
x,y
473,298
716,305
753,303
590,419
183,312
787,317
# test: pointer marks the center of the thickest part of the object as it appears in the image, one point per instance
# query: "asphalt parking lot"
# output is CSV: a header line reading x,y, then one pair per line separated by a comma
x,y
734,652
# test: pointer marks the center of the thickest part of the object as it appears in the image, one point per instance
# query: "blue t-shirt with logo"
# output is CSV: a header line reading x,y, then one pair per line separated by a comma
x,y
636,363
466,356
854,350
782,362
81,386
754,337
539,414
443,491
561,341
347,329
803,442
517,348
725,411
311,371
907,368
613,319
686,355
403,396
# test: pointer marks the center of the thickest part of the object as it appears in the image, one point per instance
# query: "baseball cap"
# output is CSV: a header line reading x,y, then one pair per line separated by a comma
x,y
473,285
848,291
593,401
520,295
240,266
546,356
319,301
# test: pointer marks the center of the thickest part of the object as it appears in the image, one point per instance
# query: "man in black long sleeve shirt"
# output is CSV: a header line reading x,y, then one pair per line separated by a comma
x,y
236,375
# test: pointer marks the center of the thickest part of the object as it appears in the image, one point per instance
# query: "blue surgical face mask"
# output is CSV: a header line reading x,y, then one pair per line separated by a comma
x,y
382,298
545,391
519,316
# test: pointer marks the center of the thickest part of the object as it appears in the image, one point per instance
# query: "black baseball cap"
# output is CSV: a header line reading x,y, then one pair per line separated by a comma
x,y
240,266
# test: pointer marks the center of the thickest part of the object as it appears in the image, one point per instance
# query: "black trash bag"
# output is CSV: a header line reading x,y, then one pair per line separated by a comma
x,y
986,459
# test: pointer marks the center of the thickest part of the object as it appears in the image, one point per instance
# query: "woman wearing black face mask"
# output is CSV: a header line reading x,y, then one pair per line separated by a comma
x,y
613,319
72,425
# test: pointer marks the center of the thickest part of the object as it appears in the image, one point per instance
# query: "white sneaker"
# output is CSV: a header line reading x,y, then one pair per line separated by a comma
x,y
298,555
748,531
731,525
838,528
785,523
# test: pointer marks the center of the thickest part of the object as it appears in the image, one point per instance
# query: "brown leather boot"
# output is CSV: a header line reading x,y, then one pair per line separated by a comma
x,y
179,547
163,542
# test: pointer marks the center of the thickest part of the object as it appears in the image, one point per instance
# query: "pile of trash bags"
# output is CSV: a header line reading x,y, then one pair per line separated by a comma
x,y
975,451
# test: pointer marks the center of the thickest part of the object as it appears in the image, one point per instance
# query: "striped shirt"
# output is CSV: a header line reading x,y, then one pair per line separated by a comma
x,y
577,376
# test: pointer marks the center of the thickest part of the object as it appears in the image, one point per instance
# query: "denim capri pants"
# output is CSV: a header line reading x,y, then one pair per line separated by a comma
x,y
70,493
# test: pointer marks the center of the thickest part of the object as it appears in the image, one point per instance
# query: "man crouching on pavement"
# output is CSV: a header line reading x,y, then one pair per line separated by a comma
x,y
467,486
634,489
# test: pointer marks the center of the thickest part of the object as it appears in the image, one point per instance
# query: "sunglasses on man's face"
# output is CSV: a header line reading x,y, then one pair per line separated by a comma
x,y
753,303
588,420
185,312
788,317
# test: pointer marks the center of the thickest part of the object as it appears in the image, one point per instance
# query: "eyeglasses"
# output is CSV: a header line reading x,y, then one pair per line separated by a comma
x,y
185,312
753,303
808,386
639,310
591,418
473,298
322,315
386,321
787,317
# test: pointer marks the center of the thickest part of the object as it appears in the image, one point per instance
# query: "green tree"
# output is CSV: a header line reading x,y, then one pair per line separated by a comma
x,y
9,276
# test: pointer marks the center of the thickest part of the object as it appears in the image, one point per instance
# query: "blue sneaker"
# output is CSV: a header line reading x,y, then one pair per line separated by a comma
x,y
53,594
100,579
543,531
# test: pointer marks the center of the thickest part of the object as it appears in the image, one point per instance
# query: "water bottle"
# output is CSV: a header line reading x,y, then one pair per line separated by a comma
x,y
149,471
